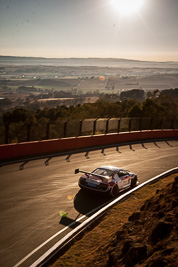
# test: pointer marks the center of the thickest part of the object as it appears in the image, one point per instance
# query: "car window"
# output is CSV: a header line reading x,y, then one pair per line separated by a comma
x,y
103,172
122,173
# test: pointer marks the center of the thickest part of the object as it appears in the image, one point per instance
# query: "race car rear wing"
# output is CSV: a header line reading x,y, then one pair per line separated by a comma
x,y
97,175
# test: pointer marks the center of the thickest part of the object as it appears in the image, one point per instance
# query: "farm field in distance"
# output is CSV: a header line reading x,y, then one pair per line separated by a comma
x,y
27,77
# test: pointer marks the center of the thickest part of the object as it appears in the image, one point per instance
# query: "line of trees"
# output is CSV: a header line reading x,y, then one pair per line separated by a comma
x,y
164,106
18,120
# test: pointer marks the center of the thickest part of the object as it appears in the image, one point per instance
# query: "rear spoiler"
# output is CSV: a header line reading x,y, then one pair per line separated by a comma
x,y
97,175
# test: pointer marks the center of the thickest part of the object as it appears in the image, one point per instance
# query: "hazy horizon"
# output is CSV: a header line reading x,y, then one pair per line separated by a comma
x,y
84,58
144,30
99,58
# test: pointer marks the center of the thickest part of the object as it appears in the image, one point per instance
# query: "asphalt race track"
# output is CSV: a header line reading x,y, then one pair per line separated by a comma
x,y
33,199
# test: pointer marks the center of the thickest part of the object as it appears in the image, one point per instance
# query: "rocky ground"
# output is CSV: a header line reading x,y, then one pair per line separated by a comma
x,y
148,236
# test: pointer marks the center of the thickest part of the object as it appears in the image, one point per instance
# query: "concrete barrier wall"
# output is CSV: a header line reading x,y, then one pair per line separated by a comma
x,y
30,149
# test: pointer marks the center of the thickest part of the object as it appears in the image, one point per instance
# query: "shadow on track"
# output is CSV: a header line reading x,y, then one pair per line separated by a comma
x,y
168,144
155,143
85,202
69,222
143,145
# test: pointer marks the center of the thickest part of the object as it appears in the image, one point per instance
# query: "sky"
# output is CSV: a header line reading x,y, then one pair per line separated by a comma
x,y
90,28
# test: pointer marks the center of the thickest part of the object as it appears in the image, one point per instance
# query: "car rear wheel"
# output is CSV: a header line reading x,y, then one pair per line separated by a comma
x,y
115,191
133,182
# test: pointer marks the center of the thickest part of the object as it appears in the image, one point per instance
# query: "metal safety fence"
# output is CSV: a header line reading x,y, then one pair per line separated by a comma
x,y
22,132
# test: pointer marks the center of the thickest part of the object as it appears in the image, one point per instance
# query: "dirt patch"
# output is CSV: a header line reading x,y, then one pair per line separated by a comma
x,y
141,231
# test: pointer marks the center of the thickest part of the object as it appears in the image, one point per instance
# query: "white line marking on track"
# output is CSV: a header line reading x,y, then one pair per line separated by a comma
x,y
58,233
48,240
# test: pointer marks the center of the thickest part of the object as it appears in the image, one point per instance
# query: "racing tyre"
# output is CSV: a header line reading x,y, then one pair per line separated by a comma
x,y
133,182
115,191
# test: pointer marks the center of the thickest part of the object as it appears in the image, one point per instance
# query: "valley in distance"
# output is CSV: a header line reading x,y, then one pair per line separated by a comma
x,y
50,82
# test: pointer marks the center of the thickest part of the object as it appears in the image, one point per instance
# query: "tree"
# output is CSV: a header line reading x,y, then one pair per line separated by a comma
x,y
20,115
152,109
31,119
132,94
7,117
135,111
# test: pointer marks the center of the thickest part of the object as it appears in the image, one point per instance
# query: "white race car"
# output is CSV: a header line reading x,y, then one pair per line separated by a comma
x,y
107,180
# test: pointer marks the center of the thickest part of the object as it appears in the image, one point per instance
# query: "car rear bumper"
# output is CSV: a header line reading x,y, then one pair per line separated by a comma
x,y
99,189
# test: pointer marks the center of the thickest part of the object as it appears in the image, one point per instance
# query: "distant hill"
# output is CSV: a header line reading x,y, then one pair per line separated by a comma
x,y
100,62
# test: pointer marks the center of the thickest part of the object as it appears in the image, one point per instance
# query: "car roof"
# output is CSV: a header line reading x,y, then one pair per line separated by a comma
x,y
112,168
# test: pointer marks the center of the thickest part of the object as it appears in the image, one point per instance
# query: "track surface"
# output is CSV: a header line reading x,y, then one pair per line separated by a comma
x,y
31,199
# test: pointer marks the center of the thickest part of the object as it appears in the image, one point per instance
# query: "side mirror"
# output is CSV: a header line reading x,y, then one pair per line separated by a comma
x,y
76,171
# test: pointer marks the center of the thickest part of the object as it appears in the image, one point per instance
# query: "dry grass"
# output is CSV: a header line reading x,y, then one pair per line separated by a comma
x,y
89,247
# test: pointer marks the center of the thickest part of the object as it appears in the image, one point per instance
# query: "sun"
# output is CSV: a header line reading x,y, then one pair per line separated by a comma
x,y
126,7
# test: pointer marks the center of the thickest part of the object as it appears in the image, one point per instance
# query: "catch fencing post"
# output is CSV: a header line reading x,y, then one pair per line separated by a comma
x,y
172,124
6,133
80,127
161,124
118,126
140,126
47,130
28,132
107,126
94,126
130,124
65,128
151,123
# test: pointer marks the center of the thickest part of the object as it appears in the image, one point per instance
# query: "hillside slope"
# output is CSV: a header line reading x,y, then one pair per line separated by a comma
x,y
150,236
147,237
